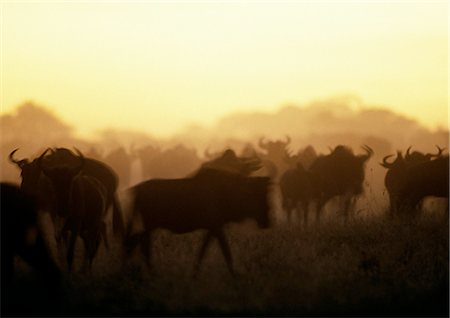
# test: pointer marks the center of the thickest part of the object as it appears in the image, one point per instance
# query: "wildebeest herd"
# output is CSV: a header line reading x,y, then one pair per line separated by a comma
x,y
79,192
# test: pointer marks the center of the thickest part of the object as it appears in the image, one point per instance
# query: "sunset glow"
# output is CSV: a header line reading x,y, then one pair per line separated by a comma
x,y
157,66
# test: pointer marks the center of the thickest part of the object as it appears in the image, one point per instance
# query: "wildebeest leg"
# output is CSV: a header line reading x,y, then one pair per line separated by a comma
x,y
319,209
348,205
305,206
287,206
145,247
71,249
225,250
61,231
202,252
85,268
393,205
103,229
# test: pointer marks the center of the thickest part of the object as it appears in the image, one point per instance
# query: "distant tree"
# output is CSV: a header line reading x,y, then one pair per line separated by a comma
x,y
33,123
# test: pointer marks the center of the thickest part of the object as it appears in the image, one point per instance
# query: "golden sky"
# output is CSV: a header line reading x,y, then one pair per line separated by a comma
x,y
157,66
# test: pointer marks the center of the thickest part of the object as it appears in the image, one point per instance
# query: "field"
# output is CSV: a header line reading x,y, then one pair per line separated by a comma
x,y
371,266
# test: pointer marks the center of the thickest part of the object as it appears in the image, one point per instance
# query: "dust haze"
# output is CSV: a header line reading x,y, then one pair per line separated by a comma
x,y
369,265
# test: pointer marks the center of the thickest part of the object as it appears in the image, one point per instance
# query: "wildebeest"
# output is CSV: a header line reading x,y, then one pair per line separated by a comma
x,y
297,191
304,156
81,203
275,156
36,183
340,173
207,201
411,178
21,236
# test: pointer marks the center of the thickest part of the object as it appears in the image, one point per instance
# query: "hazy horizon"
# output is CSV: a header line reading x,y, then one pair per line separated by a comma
x,y
354,104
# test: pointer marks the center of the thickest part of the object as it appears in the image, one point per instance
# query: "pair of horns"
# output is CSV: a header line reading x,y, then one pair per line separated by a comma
x,y
264,145
428,155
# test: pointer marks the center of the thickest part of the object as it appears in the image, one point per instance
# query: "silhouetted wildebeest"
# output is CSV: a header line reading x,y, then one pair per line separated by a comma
x,y
407,183
82,204
297,191
35,182
20,235
304,156
276,154
340,173
207,201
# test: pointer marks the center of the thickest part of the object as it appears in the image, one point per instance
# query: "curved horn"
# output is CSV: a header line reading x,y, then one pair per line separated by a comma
x,y
408,152
11,156
440,150
262,144
44,169
20,163
387,164
45,152
368,150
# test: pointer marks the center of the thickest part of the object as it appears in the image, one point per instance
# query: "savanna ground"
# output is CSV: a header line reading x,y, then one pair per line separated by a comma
x,y
371,266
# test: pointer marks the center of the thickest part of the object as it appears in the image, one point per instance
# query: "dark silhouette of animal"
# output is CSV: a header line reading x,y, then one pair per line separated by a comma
x,y
207,201
21,236
297,191
340,173
425,179
35,182
82,204
406,183
275,156
305,157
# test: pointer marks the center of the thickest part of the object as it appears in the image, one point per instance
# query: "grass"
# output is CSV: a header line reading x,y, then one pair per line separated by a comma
x,y
371,266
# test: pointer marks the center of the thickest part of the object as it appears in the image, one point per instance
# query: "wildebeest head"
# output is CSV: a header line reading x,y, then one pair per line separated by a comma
x,y
277,148
359,171
398,162
367,155
30,172
417,156
340,171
